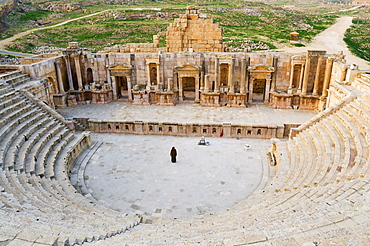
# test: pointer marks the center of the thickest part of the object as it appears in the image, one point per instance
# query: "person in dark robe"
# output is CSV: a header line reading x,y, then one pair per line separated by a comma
x,y
173,155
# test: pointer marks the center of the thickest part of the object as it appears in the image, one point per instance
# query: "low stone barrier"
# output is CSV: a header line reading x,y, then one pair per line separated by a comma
x,y
187,129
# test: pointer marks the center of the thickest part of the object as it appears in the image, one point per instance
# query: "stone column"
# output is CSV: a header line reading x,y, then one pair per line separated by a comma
x,y
301,79
267,89
95,73
78,72
59,77
202,81
250,99
231,76
129,86
114,87
328,69
343,74
197,88
273,80
317,77
181,93
108,76
290,89
207,84
306,75
217,75
175,81
243,71
148,82
158,75
169,84
69,73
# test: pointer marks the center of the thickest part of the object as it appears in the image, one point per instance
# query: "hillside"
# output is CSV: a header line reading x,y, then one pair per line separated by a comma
x,y
248,24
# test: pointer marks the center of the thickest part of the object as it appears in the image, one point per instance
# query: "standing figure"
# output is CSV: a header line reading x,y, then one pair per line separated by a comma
x,y
173,155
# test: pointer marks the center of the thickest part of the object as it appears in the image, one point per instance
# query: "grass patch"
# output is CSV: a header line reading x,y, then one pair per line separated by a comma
x,y
358,39
241,20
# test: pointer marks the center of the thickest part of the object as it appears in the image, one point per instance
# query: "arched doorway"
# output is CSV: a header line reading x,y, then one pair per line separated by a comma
x,y
89,76
153,74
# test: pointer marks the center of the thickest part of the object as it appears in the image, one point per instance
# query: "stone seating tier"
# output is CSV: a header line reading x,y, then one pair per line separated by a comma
x,y
32,143
320,193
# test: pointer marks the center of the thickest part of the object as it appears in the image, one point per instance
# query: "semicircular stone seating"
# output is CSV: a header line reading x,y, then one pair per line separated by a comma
x,y
319,194
38,205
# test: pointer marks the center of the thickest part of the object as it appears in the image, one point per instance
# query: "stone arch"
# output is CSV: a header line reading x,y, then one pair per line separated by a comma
x,y
89,76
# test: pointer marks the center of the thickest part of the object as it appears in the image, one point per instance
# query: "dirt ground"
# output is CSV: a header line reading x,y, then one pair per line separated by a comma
x,y
331,40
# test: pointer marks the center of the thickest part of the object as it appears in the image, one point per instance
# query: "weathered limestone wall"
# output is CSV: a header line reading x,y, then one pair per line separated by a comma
x,y
169,61
194,31
233,79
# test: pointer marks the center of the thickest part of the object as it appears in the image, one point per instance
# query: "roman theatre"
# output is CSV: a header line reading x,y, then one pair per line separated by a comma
x,y
273,147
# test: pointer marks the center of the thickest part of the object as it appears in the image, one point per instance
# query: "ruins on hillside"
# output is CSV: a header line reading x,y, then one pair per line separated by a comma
x,y
314,189
193,67
360,2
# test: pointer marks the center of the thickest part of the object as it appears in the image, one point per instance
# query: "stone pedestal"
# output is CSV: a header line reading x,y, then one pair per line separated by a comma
x,y
60,100
309,102
140,98
210,99
80,97
101,97
281,101
71,101
236,100
167,98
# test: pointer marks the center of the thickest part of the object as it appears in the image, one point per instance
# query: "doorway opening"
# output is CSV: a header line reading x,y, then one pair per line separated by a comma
x,y
259,86
188,88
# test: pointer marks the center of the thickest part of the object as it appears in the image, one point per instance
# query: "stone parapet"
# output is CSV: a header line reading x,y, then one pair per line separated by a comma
x,y
188,129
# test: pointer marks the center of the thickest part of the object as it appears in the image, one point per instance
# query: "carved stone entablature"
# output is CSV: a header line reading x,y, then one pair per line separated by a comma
x,y
226,59
152,58
260,71
120,69
188,67
298,59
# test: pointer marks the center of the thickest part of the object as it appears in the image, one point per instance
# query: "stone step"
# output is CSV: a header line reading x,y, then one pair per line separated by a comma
x,y
41,163
8,132
10,101
32,155
7,96
39,129
22,132
5,112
